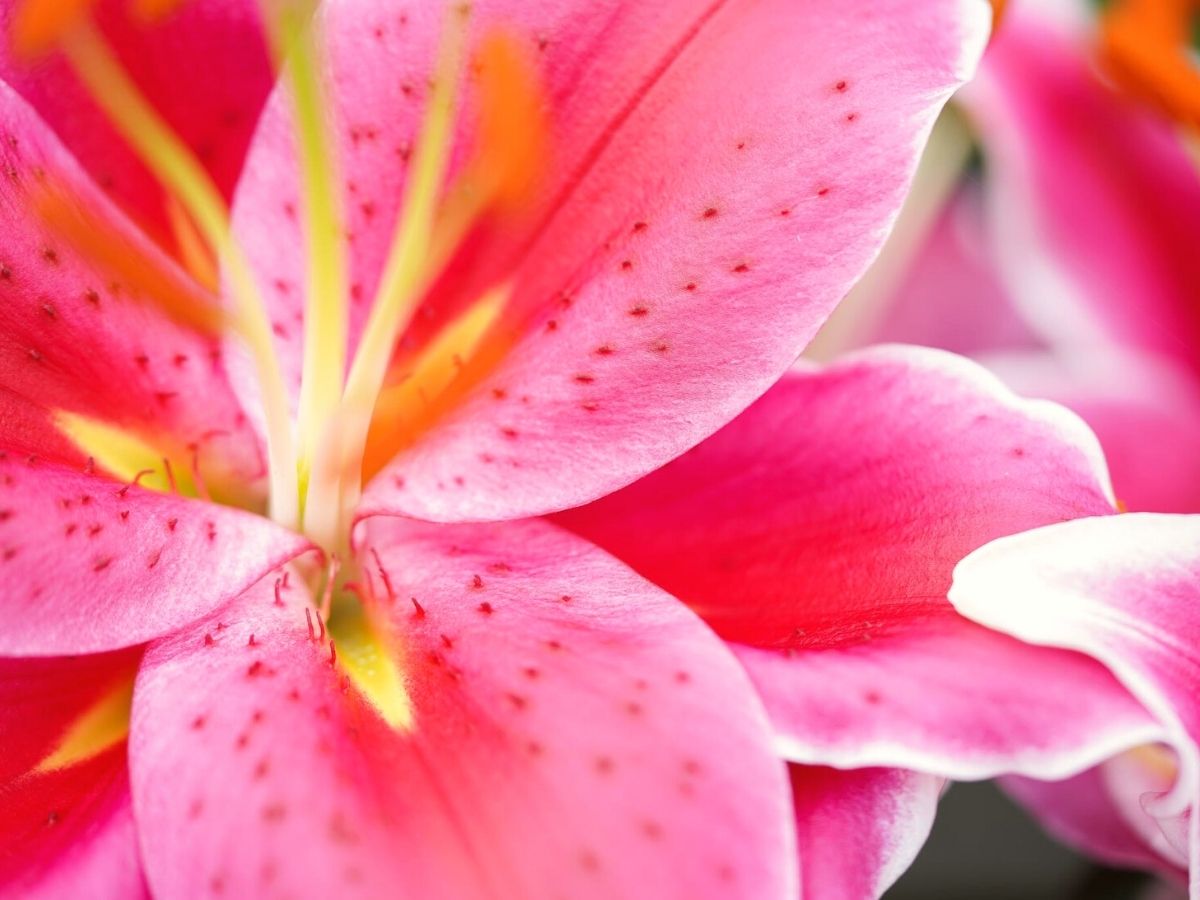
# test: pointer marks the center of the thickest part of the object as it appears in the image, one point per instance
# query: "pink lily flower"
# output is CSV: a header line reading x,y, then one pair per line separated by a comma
x,y
1085,280
817,534
465,710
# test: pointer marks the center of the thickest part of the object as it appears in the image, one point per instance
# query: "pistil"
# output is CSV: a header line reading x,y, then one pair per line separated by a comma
x,y
325,313
336,478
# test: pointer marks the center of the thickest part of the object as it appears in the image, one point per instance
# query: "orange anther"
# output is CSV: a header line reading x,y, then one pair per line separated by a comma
x,y
153,10
512,127
39,24
1144,45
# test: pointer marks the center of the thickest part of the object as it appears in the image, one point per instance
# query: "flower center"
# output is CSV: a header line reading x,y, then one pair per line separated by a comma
x,y
349,409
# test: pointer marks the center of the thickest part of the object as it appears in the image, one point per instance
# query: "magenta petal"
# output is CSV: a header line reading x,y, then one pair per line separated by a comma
x,y
91,565
1094,223
575,732
1123,590
818,533
858,830
63,829
722,173
72,337
1081,811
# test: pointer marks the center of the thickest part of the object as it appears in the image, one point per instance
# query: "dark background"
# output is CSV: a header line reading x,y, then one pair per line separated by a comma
x,y
983,847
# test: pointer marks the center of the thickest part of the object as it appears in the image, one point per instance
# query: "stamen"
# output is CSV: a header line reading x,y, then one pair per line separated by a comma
x,y
149,280
325,316
330,581
193,252
397,298
40,24
170,475
197,477
181,174
103,725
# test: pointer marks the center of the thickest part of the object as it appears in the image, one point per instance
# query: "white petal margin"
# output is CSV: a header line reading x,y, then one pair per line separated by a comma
x,y
1125,590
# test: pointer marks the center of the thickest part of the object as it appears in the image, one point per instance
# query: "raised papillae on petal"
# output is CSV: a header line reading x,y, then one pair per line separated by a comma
x,y
1124,590
91,564
663,269
66,818
818,533
574,732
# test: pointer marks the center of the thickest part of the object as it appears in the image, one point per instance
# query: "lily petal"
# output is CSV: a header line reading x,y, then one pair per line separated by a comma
x,y
74,337
89,564
1123,590
69,827
1145,411
1059,196
204,67
859,829
818,533
574,732
1081,812
667,271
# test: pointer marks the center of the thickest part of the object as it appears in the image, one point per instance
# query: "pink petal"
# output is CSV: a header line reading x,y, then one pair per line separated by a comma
x,y
1093,223
1123,590
90,565
205,69
1081,811
860,829
818,533
1145,411
951,296
576,733
722,174
69,828
72,338
64,829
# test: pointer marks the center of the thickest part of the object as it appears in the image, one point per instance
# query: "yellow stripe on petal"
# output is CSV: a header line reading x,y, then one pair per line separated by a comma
x,y
407,406
39,25
369,657
103,725
125,455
